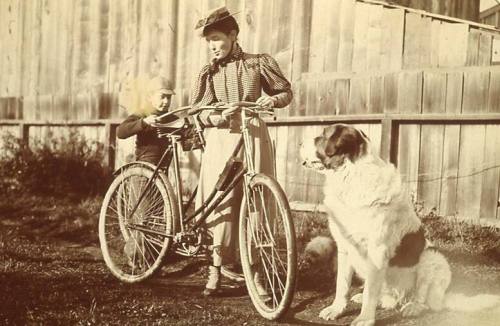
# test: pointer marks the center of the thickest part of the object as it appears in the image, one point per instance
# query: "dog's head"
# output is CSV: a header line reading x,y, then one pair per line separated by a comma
x,y
330,150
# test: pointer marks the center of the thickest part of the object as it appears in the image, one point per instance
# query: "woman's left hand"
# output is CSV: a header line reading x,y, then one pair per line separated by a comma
x,y
265,101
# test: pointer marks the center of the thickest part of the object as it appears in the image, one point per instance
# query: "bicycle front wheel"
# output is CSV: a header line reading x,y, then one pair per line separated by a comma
x,y
134,245
267,247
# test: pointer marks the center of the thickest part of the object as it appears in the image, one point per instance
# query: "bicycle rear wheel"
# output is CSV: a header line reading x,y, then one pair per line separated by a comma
x,y
267,247
134,246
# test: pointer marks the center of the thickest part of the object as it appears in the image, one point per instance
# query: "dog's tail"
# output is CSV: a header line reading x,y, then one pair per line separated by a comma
x,y
319,249
461,302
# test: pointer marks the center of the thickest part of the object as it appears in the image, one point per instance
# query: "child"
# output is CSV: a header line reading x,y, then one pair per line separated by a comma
x,y
149,147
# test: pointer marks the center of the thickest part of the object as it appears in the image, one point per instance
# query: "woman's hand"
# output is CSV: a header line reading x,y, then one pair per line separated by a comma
x,y
266,101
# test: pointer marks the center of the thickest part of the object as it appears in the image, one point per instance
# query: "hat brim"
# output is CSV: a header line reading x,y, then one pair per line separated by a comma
x,y
204,22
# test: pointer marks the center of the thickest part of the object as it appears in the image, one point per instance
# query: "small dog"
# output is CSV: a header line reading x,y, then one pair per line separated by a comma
x,y
377,233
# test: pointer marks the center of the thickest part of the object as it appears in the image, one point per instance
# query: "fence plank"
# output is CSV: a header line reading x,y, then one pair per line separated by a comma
x,y
409,101
453,44
476,85
374,37
359,54
347,10
341,87
434,42
431,145
312,97
332,30
317,43
392,26
485,48
281,142
412,41
494,92
470,164
376,100
301,30
473,48
454,88
359,95
391,93
491,175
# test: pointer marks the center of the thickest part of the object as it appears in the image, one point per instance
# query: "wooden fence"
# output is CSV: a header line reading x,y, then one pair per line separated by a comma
x,y
424,84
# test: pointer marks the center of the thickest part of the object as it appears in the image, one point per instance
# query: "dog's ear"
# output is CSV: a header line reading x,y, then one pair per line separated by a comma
x,y
346,140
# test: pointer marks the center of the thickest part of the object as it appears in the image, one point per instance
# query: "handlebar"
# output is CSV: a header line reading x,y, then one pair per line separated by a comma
x,y
186,111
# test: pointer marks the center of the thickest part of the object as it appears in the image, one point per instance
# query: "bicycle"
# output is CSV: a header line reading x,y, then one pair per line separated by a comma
x,y
144,217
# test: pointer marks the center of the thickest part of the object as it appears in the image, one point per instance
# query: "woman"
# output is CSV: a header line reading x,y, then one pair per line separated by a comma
x,y
232,76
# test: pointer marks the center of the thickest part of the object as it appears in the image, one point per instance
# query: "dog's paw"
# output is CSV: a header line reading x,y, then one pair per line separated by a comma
x,y
332,311
362,321
412,309
357,298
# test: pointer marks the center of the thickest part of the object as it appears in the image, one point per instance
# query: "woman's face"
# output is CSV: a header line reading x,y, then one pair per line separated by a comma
x,y
220,44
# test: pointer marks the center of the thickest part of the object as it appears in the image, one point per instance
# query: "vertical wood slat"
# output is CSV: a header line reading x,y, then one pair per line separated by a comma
x,y
359,95
434,42
391,93
494,92
431,145
281,40
412,37
409,101
472,142
470,164
301,42
360,44
376,97
332,30
453,44
392,25
317,36
485,49
9,58
448,200
491,175
344,60
472,58
374,38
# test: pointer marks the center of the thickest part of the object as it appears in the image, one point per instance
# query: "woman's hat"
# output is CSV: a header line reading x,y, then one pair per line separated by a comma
x,y
214,17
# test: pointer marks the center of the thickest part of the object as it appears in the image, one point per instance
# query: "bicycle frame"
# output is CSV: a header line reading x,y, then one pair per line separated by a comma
x,y
209,205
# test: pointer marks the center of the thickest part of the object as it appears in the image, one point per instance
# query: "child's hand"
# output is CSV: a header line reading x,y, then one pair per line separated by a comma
x,y
149,120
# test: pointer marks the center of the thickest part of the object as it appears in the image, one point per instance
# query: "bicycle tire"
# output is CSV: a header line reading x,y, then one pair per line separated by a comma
x,y
267,247
131,254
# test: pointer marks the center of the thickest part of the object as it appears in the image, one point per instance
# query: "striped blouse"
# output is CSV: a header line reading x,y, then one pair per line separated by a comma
x,y
241,77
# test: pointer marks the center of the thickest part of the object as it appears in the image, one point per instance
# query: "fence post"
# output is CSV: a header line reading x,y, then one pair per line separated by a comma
x,y
390,140
24,132
110,145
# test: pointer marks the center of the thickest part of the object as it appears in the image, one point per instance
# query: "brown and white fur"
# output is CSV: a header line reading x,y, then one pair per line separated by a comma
x,y
377,231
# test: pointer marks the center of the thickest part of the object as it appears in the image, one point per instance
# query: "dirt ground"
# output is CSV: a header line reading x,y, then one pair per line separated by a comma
x,y
50,279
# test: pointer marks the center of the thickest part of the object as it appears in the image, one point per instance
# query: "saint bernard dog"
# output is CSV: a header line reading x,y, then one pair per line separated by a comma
x,y
378,233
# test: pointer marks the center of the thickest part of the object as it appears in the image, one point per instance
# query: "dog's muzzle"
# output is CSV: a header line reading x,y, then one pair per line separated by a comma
x,y
315,165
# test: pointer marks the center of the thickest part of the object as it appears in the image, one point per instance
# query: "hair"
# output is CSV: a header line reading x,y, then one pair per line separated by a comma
x,y
225,26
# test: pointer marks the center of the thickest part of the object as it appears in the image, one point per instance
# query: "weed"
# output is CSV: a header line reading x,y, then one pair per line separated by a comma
x,y
64,166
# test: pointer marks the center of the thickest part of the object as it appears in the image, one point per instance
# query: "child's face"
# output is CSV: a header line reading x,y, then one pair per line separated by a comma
x,y
161,99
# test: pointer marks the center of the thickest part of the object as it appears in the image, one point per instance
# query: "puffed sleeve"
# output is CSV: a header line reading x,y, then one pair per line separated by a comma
x,y
203,92
273,81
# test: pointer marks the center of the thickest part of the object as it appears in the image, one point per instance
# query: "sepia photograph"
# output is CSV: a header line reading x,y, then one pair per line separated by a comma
x,y
250,162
